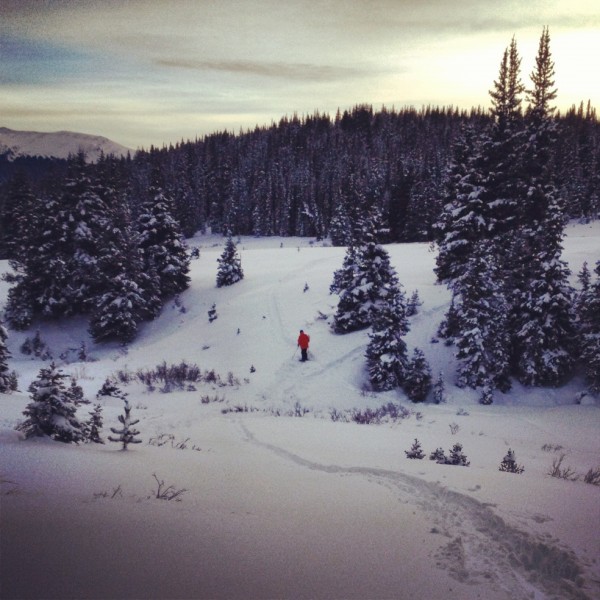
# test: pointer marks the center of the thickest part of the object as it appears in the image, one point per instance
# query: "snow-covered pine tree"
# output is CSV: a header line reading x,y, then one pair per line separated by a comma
x,y
230,265
212,313
368,282
8,379
127,295
94,425
118,312
509,463
589,319
339,226
415,451
163,250
439,389
386,353
541,324
52,410
463,220
41,276
109,388
412,306
457,456
343,277
449,327
483,343
417,382
15,215
84,218
127,433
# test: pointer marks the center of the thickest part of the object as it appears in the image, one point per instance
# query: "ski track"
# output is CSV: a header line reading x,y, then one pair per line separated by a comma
x,y
482,548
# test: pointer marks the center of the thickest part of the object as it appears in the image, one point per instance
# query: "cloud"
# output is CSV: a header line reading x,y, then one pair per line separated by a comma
x,y
298,71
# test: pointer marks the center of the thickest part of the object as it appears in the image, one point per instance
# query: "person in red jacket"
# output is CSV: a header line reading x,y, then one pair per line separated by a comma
x,y
303,340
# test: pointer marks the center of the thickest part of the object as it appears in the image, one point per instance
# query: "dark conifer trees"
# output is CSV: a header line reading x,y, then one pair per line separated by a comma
x,y
230,265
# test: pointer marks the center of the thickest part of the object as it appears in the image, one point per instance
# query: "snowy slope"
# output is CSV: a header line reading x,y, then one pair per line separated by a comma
x,y
57,144
284,507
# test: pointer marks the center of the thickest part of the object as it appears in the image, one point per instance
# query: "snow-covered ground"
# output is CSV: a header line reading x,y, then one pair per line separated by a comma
x,y
278,506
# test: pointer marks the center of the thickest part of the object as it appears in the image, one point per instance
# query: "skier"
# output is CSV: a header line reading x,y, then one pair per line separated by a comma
x,y
303,340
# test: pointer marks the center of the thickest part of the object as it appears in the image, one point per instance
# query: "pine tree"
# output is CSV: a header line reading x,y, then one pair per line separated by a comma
x,y
118,312
541,323
439,390
127,433
126,294
16,211
343,277
417,382
412,307
52,410
230,265
212,313
483,344
386,352
368,282
163,250
463,219
457,457
94,425
415,451
8,379
509,463
41,276
589,316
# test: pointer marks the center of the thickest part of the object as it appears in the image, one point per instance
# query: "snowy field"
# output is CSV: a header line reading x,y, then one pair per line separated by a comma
x,y
284,506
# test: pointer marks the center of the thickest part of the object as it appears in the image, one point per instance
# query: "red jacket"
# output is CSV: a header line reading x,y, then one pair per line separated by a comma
x,y
303,340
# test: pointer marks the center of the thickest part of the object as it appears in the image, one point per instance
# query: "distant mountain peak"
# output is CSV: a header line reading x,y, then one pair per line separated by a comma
x,y
58,144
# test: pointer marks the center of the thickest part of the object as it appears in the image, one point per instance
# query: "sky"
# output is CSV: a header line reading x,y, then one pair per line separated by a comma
x,y
154,72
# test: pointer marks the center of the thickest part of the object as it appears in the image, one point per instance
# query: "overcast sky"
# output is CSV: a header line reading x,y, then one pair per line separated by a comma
x,y
147,72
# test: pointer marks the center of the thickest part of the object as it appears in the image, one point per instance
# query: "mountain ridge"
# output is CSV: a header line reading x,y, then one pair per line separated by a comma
x,y
57,144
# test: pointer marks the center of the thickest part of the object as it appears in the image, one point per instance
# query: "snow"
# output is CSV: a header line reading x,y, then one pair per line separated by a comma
x,y
290,507
59,144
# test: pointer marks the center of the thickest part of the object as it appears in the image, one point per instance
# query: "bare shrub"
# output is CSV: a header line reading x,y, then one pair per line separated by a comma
x,y
116,493
168,439
389,412
164,492
454,427
592,476
557,470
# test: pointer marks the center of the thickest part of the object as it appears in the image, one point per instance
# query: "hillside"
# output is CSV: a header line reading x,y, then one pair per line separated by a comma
x,y
58,144
280,506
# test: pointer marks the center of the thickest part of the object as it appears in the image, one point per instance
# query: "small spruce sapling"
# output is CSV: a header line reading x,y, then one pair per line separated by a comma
x,y
412,306
509,463
438,455
457,457
417,382
52,410
127,433
94,426
212,313
416,451
439,390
